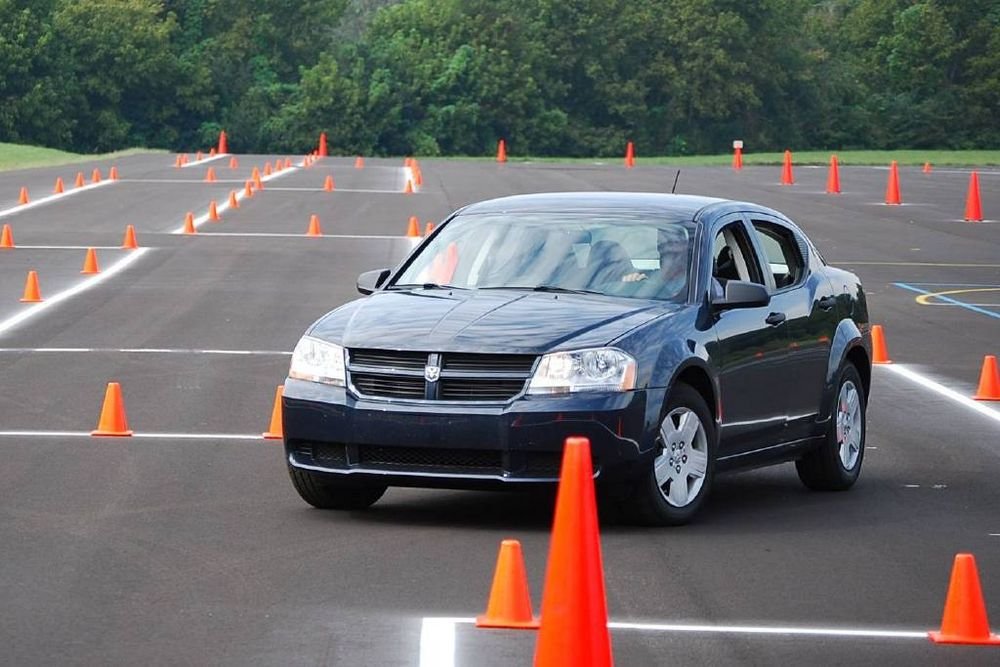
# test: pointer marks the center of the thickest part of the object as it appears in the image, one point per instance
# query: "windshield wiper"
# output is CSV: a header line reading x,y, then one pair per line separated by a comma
x,y
423,286
546,288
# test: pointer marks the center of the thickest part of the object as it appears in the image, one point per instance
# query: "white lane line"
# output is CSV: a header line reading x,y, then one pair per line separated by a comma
x,y
336,190
160,436
67,247
142,350
51,198
941,390
38,308
304,236
437,642
204,160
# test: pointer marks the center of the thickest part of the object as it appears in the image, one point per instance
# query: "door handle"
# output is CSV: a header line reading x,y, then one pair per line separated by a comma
x,y
775,319
828,302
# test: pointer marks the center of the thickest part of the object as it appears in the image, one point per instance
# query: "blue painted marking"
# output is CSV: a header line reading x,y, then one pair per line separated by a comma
x,y
967,306
955,285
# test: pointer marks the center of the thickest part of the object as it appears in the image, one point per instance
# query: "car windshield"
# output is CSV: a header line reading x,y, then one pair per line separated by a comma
x,y
637,254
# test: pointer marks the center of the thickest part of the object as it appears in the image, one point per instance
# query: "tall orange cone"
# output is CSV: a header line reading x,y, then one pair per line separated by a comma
x,y
113,174
234,163
223,142
973,207
95,176
248,189
6,238
787,177
574,629
737,158
359,162
267,168
233,201
90,263
413,228
31,292
927,167
213,212
964,620
314,228
501,151
113,421
60,186
428,228
189,227
989,380
129,242
79,180
255,176
510,599
892,197
22,198
833,177
210,175
880,353
630,155
328,184
276,431
322,144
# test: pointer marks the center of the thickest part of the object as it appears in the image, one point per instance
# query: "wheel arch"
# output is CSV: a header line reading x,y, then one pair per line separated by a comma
x,y
697,376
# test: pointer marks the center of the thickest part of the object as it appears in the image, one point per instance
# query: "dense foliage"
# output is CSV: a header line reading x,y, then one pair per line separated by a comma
x,y
555,77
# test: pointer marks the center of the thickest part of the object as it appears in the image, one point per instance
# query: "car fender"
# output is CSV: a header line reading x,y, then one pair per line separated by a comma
x,y
846,337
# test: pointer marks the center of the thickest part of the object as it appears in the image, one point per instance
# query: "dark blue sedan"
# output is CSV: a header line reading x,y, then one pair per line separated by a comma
x,y
683,335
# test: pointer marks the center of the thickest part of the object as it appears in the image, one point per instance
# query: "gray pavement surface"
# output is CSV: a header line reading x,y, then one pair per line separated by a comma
x,y
167,550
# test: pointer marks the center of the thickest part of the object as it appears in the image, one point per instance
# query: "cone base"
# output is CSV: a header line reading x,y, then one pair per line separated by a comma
x,y
112,434
881,363
942,638
986,398
509,624
272,436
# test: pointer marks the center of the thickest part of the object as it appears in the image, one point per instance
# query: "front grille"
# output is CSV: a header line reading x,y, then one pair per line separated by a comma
x,y
419,457
463,376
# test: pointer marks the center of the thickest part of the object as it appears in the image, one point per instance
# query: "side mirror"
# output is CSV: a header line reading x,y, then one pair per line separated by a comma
x,y
369,281
742,294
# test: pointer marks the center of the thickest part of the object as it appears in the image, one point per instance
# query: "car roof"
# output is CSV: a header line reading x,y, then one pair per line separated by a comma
x,y
678,206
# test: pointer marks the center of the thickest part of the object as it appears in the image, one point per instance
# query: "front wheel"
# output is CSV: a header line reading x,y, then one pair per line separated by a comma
x,y
682,471
331,493
836,464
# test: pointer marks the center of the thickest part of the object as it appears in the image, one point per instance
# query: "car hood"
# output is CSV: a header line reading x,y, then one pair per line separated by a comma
x,y
508,321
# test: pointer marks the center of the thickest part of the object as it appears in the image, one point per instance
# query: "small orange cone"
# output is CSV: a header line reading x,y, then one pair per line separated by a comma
x,y
413,229
267,168
322,145
787,177
223,142
189,227
210,175
314,228
255,176
90,263
22,198
198,156
574,628
973,207
31,292
408,190
428,228
248,189
211,152
275,431
213,212
989,380
880,353
892,197
501,151
95,176
6,238
288,163
737,158
359,162
129,242
113,175
418,176
178,161
233,201
234,163
833,177
630,155
60,187
927,167
964,620
79,180
328,184
510,599
113,421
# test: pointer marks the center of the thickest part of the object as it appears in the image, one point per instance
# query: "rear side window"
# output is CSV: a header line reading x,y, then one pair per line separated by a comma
x,y
782,253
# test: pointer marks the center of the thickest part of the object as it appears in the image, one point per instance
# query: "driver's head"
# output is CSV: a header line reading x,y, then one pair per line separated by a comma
x,y
672,245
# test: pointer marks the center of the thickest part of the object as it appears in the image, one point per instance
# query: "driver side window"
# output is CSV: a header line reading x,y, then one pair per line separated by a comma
x,y
733,258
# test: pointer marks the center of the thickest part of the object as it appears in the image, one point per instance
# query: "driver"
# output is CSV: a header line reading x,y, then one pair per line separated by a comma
x,y
671,278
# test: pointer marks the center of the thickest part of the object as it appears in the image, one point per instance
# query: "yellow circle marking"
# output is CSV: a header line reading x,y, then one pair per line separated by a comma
x,y
925,299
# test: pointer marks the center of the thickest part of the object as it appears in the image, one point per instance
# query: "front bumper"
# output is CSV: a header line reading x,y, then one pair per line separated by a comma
x,y
464,444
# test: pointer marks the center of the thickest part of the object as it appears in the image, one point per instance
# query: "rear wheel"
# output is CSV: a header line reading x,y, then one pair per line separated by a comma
x,y
836,464
332,493
680,477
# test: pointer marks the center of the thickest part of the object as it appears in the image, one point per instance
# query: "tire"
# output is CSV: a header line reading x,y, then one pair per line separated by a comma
x,y
330,493
836,464
658,499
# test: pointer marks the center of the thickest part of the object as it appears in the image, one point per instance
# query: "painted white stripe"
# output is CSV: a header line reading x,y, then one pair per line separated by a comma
x,y
67,247
54,197
325,235
141,350
50,302
771,630
338,189
160,436
195,163
941,390
437,642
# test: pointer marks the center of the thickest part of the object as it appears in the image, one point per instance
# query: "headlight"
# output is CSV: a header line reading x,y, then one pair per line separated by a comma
x,y
601,369
318,361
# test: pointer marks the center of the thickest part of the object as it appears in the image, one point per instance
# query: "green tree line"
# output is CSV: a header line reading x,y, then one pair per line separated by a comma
x,y
553,77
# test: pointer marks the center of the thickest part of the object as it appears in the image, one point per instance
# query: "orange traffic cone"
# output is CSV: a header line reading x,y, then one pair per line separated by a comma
x,y
288,163
223,142
233,201
892,197
989,380
178,161
629,155
428,228
276,431
234,163
198,156
6,238
359,162
113,174
787,177
973,207
60,187
833,177
255,176
574,628
90,263
880,353
22,198
211,152
501,151
737,158
927,167
413,229
510,599
408,190
113,421
210,175
79,180
314,228
129,242
213,211
322,145
328,184
964,620
248,189
95,176
31,292
189,227
267,168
